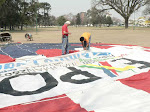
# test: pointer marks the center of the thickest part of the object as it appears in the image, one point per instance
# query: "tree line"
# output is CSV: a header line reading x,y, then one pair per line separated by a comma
x,y
93,16
17,14
97,15
21,13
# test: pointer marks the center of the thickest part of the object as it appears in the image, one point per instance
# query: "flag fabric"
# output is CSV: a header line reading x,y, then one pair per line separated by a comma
x,y
106,78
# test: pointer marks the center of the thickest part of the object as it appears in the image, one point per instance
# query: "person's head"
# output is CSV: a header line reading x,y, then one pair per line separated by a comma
x,y
67,23
81,38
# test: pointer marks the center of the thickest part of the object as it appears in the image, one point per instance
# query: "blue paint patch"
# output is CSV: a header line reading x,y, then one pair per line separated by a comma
x,y
108,72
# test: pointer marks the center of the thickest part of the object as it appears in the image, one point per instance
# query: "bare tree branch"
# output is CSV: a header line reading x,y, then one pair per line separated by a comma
x,y
124,7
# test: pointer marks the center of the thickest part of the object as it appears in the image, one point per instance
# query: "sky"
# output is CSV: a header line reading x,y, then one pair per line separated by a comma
x,y
62,7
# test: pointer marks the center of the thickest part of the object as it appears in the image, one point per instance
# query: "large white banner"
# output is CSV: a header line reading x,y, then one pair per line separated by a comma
x,y
88,78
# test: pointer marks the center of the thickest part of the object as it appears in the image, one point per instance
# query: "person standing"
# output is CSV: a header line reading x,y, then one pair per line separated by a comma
x,y
86,40
65,33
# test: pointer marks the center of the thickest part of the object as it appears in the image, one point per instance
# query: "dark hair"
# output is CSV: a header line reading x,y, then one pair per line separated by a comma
x,y
82,38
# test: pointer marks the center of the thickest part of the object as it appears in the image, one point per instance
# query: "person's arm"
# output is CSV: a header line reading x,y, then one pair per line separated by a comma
x,y
87,41
66,32
82,43
87,44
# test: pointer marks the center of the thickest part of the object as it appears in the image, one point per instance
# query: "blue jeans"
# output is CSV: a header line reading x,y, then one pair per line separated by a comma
x,y
65,46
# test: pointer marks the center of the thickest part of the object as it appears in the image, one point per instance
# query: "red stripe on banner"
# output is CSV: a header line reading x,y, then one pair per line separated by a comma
x,y
107,64
60,103
6,59
139,81
147,50
73,51
52,52
147,47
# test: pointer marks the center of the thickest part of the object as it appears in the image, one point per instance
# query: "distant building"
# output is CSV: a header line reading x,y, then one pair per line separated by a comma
x,y
147,23
143,21
131,22
82,17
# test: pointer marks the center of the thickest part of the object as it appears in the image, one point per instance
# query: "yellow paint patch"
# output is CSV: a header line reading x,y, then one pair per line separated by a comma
x,y
114,68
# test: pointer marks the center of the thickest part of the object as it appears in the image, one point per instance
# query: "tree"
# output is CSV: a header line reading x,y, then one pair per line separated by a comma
x,y
93,13
109,20
61,20
78,19
97,16
147,9
123,7
52,20
1,2
116,21
9,13
24,14
46,7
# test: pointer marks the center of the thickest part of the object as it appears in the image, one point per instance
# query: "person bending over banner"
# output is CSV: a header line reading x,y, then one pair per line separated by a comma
x,y
85,40
65,33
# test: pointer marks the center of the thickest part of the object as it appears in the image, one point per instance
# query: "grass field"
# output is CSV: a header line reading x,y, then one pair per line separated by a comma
x,y
111,35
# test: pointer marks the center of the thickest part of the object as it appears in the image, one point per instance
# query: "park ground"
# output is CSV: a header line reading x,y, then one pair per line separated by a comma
x,y
110,35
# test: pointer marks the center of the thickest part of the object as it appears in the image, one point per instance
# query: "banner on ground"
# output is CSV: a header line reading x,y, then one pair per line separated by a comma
x,y
114,79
